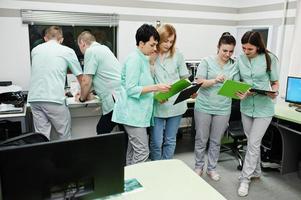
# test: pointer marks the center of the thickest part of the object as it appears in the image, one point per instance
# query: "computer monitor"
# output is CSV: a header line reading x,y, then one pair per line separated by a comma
x,y
68,169
293,90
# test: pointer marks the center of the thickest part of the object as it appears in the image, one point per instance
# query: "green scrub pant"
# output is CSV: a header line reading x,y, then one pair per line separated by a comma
x,y
254,128
47,115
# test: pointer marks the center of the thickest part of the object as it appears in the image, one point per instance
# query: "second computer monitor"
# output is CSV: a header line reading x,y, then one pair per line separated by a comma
x,y
293,90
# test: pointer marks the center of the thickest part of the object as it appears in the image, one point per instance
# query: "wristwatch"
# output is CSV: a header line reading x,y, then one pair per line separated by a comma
x,y
80,100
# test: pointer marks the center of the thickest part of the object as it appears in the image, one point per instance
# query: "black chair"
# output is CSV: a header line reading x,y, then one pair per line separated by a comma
x,y
28,138
236,132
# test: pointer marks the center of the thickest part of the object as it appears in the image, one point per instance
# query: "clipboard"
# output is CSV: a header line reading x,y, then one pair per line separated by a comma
x,y
175,88
230,88
262,92
185,94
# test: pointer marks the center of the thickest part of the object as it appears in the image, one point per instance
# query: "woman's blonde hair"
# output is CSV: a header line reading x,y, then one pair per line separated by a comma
x,y
165,31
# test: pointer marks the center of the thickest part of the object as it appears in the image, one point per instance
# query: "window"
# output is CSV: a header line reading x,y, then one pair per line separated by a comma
x,y
104,35
264,33
102,26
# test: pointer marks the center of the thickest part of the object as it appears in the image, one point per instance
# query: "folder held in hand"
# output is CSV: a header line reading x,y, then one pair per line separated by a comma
x,y
175,88
186,94
262,92
230,88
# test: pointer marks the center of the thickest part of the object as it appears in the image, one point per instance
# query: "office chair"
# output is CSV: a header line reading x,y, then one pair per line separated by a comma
x,y
236,132
271,148
28,138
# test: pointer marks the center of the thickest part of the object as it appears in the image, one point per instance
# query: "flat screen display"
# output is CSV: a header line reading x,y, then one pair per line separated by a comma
x,y
68,169
293,90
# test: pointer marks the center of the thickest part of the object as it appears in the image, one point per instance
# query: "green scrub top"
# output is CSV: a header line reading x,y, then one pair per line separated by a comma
x,y
208,101
170,70
50,62
100,62
133,108
253,71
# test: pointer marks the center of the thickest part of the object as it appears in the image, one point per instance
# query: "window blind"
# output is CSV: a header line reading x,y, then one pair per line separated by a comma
x,y
42,17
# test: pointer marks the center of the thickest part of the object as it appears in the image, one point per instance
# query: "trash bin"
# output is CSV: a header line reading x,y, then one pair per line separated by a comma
x,y
9,129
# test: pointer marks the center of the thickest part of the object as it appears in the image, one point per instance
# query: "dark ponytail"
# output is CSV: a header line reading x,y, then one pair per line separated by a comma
x,y
226,38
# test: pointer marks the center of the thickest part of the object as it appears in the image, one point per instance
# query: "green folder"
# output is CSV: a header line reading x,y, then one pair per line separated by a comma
x,y
175,88
230,88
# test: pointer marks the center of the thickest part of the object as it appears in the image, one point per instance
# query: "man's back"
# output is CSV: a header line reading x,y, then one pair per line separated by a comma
x,y
50,61
106,69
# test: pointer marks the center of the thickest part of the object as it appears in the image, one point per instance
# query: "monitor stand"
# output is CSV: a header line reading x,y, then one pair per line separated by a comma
x,y
298,109
298,106
72,190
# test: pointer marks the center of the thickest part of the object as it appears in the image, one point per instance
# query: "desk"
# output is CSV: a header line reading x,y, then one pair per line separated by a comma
x,y
21,116
84,117
284,112
288,122
167,179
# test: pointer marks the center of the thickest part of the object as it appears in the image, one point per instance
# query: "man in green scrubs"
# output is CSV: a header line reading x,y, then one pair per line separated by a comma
x,y
134,107
50,62
102,70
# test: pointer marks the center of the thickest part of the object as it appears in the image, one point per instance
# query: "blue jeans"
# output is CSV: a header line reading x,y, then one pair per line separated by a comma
x,y
163,138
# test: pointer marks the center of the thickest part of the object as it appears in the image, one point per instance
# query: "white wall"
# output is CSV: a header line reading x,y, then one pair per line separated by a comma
x,y
14,51
285,57
194,40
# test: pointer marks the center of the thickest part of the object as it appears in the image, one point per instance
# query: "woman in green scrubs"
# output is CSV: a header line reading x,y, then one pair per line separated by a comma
x,y
212,111
257,67
134,106
169,67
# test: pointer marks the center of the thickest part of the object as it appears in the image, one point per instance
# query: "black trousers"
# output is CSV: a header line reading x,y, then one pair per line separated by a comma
x,y
106,125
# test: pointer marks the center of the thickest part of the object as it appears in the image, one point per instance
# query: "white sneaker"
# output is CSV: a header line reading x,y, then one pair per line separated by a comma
x,y
199,171
214,175
243,189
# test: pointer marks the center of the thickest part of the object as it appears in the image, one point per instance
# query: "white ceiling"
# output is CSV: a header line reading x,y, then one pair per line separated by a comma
x,y
225,3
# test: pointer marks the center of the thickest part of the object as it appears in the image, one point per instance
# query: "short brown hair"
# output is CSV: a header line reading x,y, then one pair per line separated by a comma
x,y
86,37
54,32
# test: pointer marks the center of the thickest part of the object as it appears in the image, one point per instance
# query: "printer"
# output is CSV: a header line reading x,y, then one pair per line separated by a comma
x,y
11,98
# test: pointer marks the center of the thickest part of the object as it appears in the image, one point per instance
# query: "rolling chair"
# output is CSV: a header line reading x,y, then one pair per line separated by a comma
x,y
236,132
28,138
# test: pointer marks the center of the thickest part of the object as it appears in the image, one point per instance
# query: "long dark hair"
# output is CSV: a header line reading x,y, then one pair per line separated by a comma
x,y
226,38
255,38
